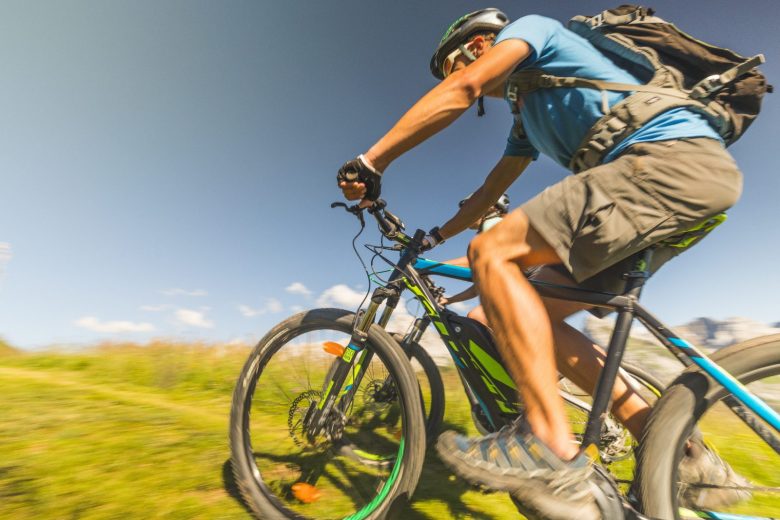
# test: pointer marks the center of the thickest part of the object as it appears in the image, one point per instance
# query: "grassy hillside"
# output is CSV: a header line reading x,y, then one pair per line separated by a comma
x,y
6,349
128,431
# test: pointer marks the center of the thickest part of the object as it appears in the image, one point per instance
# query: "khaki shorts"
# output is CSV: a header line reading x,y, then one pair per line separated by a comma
x,y
596,220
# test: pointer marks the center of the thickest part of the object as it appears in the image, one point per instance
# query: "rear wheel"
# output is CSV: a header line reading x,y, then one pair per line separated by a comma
x,y
367,458
694,403
431,386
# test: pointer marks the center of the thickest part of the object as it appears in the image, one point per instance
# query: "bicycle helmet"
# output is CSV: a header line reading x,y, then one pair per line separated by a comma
x,y
457,34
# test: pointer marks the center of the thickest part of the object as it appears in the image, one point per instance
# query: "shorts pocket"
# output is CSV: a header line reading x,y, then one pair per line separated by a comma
x,y
600,233
636,198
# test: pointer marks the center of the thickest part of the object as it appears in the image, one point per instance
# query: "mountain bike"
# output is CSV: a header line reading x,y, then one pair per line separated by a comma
x,y
616,443
318,437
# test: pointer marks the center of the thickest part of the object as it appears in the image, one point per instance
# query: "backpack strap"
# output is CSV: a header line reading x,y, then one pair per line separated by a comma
x,y
525,81
623,120
620,16
711,84
634,111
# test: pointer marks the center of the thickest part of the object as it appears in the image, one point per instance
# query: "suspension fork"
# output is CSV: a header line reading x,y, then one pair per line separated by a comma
x,y
391,294
351,366
317,416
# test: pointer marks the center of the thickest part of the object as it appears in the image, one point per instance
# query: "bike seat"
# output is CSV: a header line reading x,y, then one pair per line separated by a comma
x,y
689,237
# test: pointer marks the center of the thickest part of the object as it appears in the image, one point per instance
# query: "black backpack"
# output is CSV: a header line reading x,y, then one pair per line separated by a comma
x,y
677,71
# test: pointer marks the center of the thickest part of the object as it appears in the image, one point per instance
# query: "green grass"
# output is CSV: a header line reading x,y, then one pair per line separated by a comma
x,y
128,431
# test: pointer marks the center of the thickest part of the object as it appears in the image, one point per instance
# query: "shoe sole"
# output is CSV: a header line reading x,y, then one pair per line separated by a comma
x,y
531,496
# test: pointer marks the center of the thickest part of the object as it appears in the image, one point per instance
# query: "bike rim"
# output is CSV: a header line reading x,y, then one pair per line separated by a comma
x,y
343,474
744,451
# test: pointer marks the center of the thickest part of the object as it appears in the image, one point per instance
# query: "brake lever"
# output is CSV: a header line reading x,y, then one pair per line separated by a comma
x,y
355,210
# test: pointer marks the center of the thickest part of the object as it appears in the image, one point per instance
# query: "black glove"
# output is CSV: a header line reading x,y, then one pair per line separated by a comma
x,y
357,170
432,239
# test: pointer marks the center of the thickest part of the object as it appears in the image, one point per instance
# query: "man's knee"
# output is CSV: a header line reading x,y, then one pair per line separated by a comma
x,y
502,243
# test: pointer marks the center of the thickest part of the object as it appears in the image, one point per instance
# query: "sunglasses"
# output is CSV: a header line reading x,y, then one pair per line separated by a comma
x,y
449,62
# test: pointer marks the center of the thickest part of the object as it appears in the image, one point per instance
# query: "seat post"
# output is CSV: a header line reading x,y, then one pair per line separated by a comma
x,y
640,272
635,280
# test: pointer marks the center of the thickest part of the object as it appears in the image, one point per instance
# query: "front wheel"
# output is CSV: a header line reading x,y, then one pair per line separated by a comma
x,y
364,461
693,405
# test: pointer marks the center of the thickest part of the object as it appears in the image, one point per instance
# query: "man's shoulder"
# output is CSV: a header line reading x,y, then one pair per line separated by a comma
x,y
533,28
533,21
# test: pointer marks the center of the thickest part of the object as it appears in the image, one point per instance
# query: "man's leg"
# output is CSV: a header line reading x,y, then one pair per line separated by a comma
x,y
581,360
478,314
534,459
521,324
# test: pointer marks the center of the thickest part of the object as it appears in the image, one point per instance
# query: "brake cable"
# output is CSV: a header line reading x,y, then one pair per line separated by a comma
x,y
358,212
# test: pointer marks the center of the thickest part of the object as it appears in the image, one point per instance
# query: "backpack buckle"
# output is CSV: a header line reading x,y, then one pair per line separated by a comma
x,y
512,98
707,87
596,21
546,81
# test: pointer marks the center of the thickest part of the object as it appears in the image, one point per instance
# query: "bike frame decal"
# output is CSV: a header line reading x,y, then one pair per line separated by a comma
x,y
436,319
453,349
324,398
737,389
440,326
485,410
349,383
479,367
494,368
448,270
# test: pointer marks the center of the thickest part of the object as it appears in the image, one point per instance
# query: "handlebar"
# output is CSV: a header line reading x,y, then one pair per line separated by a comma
x,y
391,227
389,224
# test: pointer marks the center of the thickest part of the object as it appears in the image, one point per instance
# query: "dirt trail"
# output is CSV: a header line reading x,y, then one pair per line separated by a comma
x,y
70,380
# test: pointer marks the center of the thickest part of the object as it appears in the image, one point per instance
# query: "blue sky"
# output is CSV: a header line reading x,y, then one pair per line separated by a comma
x,y
167,167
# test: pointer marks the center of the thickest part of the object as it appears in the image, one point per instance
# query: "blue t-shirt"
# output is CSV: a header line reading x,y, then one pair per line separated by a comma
x,y
556,120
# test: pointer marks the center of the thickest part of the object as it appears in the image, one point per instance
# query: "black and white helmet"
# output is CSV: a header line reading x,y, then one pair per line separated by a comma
x,y
457,34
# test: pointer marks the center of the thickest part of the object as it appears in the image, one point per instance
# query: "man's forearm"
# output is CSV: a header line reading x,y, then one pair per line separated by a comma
x,y
431,114
468,294
500,178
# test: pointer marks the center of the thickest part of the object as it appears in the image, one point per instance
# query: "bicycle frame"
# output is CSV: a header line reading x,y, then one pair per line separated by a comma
x,y
628,308
485,375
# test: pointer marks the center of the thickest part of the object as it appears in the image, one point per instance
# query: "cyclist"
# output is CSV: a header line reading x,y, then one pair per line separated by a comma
x,y
485,222
667,176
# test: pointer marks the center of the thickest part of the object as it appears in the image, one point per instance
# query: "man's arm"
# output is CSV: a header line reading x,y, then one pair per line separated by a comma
x,y
442,105
468,294
498,180
462,261
448,100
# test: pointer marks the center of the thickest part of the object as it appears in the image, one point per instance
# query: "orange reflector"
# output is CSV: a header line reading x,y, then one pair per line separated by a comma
x,y
333,348
306,493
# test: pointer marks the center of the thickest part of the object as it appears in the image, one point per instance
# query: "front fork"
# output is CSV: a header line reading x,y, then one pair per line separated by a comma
x,y
351,366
